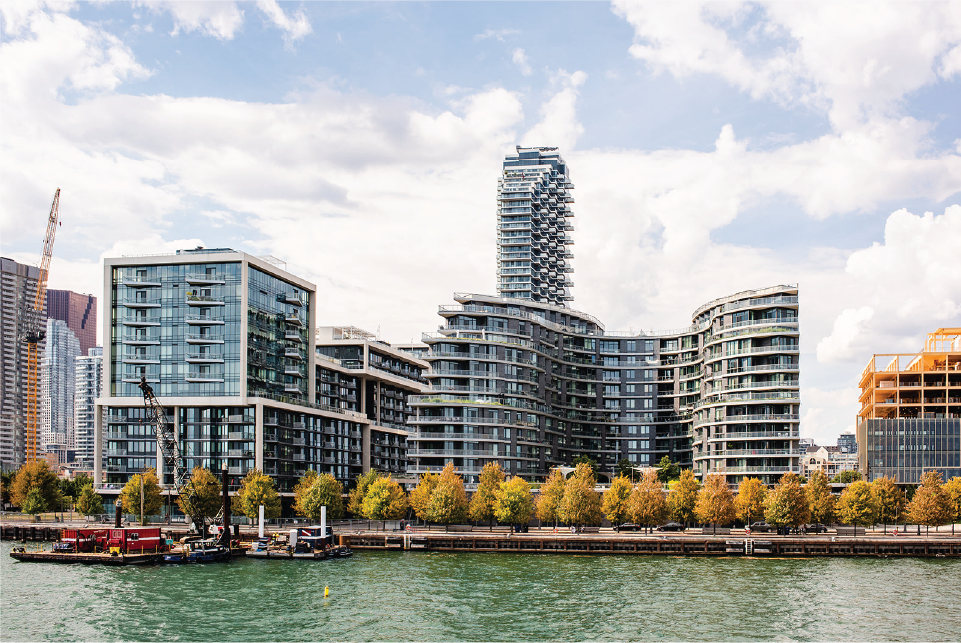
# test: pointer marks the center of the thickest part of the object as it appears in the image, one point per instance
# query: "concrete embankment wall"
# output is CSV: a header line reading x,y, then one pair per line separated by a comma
x,y
672,546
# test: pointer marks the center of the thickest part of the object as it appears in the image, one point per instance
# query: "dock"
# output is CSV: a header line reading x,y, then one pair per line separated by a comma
x,y
602,544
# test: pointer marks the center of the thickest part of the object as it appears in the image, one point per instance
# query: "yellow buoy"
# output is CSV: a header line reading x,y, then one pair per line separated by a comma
x,y
326,591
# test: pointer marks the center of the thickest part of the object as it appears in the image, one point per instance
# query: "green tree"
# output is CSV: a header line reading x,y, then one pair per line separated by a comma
x,y
786,504
420,496
821,503
6,481
200,498
589,461
682,497
34,504
355,502
488,487
616,501
385,500
846,477
625,467
36,475
857,505
130,498
648,506
448,503
931,505
258,489
581,504
715,502
953,488
325,491
890,501
667,470
514,503
88,502
749,504
550,498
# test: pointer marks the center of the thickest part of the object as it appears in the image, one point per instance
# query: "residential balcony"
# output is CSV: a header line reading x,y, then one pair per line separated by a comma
x,y
198,338
203,320
141,302
292,298
141,282
139,322
134,339
204,378
200,357
206,279
293,318
204,300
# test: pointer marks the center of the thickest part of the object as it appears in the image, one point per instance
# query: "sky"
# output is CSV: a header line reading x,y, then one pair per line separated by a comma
x,y
715,147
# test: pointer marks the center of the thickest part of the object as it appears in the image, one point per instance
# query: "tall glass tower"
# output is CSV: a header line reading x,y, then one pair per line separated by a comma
x,y
533,212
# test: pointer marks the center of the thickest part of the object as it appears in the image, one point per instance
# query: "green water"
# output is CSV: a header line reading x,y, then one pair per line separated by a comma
x,y
418,596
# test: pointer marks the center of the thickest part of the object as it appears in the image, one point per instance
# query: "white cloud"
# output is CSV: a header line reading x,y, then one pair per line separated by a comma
x,y
837,347
497,34
520,59
222,19
855,60
558,125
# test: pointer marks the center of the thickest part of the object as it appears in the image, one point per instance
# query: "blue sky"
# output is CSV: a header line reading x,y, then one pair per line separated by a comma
x,y
715,147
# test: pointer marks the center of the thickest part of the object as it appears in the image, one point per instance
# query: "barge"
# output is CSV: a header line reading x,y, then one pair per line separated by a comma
x,y
100,546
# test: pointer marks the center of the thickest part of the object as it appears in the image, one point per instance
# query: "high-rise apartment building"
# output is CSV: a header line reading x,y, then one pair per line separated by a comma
x,y
910,417
226,340
87,388
78,311
57,378
533,222
848,443
18,287
532,386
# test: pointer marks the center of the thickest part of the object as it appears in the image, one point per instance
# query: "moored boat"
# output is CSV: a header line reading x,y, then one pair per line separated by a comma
x,y
195,550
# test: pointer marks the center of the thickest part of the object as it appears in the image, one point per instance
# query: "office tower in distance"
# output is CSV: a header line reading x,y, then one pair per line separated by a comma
x,y
78,311
18,287
87,388
533,222
57,378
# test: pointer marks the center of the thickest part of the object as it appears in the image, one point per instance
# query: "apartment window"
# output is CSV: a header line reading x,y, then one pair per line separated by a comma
x,y
631,346
629,388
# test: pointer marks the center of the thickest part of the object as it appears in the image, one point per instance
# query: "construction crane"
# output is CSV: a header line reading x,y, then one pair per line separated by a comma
x,y
35,331
170,448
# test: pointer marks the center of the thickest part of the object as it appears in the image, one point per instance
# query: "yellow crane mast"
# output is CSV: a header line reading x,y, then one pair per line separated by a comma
x,y
35,331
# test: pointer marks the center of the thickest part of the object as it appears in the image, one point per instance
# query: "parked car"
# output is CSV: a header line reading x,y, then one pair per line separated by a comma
x,y
762,527
671,526
629,526
815,529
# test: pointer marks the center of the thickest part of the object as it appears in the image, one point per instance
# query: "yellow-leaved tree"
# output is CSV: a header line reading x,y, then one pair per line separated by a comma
x,y
820,501
786,504
201,498
890,501
715,502
857,505
930,506
420,496
488,487
953,488
385,500
448,503
514,503
616,502
257,489
130,496
682,497
355,501
550,498
749,504
648,506
581,504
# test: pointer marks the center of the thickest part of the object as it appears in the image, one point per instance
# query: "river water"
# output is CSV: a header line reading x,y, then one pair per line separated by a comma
x,y
419,596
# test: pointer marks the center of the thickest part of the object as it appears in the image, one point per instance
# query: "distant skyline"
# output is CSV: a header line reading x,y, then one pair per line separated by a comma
x,y
714,148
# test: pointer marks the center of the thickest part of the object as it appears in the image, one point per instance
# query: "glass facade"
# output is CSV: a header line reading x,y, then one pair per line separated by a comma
x,y
905,448
277,338
211,436
179,326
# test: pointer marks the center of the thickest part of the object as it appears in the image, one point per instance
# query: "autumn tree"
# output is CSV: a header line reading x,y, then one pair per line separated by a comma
x,y
448,504
257,489
846,477
385,500
514,503
616,501
355,502
889,499
200,498
749,503
152,500
300,489
420,496
682,497
931,505
324,491
581,504
625,467
550,498
715,502
647,504
857,505
488,487
588,460
821,504
6,481
786,504
953,488
88,502
35,475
